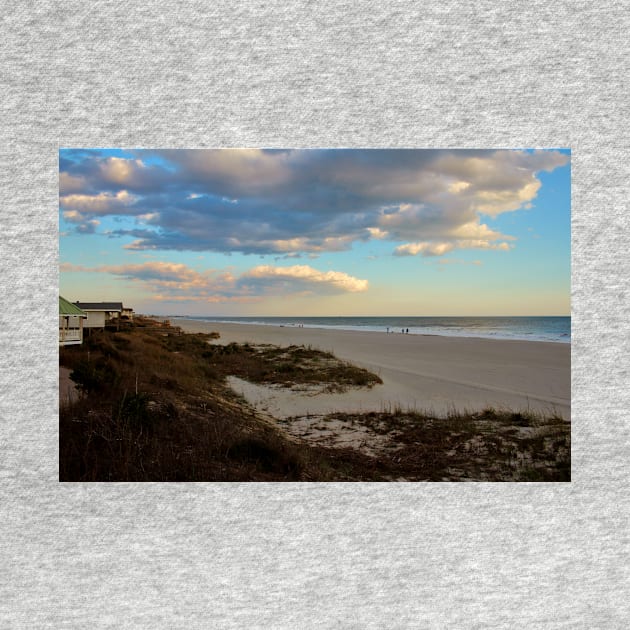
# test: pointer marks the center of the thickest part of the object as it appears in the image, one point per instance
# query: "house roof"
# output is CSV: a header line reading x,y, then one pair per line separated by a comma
x,y
100,306
67,308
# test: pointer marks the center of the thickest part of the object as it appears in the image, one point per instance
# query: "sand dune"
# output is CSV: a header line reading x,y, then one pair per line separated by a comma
x,y
419,371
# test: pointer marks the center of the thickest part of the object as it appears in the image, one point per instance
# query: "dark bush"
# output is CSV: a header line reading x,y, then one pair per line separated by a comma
x,y
267,457
134,409
95,376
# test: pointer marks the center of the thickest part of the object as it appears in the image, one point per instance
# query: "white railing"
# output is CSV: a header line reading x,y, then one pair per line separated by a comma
x,y
69,334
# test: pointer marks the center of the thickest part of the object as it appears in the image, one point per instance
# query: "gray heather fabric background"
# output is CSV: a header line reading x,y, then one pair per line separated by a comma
x,y
299,74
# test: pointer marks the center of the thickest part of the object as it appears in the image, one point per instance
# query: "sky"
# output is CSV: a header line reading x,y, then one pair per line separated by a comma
x,y
317,232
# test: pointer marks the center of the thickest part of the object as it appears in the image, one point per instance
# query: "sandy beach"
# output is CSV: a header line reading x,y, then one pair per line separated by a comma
x,y
421,372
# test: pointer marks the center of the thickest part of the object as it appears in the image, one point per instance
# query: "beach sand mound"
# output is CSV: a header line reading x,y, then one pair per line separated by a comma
x,y
489,445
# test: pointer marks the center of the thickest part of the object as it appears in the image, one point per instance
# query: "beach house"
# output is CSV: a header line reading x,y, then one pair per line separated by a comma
x,y
101,314
71,319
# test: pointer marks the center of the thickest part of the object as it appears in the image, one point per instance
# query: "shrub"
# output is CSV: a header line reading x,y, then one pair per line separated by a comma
x,y
134,409
268,456
94,376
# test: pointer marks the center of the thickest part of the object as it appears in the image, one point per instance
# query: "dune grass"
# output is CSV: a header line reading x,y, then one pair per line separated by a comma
x,y
490,445
294,365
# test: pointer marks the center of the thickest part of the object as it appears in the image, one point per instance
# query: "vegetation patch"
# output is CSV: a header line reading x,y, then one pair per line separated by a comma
x,y
487,446
154,408
289,367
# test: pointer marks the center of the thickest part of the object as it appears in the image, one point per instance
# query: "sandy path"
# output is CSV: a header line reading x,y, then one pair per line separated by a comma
x,y
425,372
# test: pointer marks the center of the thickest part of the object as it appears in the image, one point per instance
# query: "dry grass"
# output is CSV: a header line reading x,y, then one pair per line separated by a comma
x,y
488,446
153,408
294,365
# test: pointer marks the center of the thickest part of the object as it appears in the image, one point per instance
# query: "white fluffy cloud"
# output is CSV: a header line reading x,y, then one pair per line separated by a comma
x,y
178,282
430,248
308,278
103,203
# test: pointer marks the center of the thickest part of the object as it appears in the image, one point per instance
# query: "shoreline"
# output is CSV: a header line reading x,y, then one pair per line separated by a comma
x,y
435,373
175,318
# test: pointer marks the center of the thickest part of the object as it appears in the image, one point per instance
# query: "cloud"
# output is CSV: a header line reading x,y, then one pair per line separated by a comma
x,y
470,235
304,277
438,249
121,171
304,201
425,248
103,203
83,224
88,227
70,184
178,282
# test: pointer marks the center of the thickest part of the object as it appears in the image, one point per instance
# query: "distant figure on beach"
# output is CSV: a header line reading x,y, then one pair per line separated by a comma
x,y
388,329
407,331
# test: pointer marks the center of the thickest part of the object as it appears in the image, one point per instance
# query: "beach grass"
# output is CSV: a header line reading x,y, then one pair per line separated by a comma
x,y
290,366
489,445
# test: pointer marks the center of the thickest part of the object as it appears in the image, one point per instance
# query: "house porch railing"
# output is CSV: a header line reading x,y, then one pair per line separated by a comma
x,y
69,334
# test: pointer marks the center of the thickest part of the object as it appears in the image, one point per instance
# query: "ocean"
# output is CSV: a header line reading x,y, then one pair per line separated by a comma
x,y
555,329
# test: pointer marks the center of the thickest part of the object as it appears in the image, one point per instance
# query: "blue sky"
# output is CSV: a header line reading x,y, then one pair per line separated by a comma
x,y
317,232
